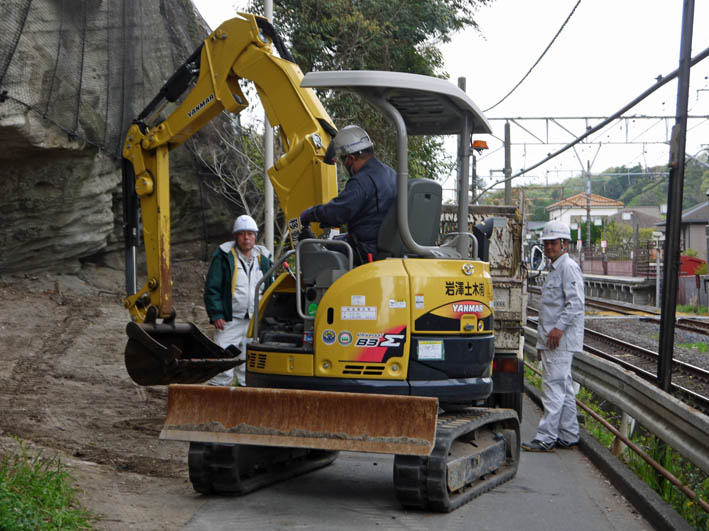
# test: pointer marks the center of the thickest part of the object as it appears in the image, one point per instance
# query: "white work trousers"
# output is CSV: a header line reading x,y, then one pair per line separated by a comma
x,y
559,420
234,333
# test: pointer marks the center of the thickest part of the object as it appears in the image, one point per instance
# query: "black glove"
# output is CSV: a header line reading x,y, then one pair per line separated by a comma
x,y
305,234
307,216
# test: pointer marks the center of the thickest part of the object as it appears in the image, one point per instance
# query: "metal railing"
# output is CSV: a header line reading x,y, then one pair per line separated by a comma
x,y
679,425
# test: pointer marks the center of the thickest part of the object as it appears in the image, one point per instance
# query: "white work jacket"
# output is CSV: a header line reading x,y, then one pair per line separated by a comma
x,y
562,305
247,273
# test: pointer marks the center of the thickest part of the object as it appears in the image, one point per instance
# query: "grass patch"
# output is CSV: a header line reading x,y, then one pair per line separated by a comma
x,y
38,493
701,347
532,377
686,308
682,469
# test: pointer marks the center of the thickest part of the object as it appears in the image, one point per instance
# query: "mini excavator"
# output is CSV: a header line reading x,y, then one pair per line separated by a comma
x,y
394,356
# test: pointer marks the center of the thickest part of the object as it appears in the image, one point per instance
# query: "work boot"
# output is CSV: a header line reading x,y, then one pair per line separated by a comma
x,y
537,446
563,445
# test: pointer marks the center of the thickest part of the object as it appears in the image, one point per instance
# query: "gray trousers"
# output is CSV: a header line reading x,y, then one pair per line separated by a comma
x,y
559,420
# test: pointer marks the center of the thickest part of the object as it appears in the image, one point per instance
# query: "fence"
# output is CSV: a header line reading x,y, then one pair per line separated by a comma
x,y
622,260
681,426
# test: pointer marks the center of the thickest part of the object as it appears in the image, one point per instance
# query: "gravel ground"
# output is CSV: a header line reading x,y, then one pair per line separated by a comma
x,y
646,334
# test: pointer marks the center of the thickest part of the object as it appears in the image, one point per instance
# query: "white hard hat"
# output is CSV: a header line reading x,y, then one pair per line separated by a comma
x,y
351,139
556,230
244,222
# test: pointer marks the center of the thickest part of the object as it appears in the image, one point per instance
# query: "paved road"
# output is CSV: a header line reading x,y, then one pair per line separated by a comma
x,y
559,491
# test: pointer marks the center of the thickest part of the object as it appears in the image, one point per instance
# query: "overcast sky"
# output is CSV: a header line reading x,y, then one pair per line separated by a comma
x,y
609,52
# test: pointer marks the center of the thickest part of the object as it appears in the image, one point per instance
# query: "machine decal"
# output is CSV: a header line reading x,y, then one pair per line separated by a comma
x,y
448,316
454,310
430,349
201,105
345,338
419,300
468,289
379,347
358,313
329,336
366,339
468,269
358,300
393,303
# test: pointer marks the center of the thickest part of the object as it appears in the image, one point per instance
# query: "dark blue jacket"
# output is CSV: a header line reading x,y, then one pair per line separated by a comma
x,y
362,205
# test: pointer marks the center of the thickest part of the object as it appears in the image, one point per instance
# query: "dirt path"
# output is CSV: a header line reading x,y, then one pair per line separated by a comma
x,y
64,389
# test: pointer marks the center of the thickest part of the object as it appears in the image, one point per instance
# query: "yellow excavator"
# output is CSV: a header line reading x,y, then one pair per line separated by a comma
x,y
394,356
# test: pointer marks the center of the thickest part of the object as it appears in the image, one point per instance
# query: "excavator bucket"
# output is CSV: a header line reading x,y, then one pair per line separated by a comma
x,y
389,424
161,354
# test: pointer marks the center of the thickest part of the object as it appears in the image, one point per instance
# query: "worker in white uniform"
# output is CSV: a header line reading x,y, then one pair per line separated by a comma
x,y
559,336
236,268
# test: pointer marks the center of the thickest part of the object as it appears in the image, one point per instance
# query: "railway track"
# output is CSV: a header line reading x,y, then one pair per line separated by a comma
x,y
698,326
690,383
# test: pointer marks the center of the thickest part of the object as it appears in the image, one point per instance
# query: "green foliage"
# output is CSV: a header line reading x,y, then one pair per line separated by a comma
x,y
399,36
686,308
37,493
682,469
645,235
538,198
701,347
617,233
596,233
640,186
690,252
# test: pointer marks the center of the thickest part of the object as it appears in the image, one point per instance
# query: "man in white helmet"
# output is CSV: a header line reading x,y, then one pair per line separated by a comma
x,y
366,198
236,267
559,335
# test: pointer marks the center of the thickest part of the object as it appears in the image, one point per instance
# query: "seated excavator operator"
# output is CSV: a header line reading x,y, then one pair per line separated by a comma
x,y
369,193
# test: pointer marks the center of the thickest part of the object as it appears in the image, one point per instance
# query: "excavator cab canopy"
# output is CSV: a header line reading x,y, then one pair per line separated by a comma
x,y
416,105
427,105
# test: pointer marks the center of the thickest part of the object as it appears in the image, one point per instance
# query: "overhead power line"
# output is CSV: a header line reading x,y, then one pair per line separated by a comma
x,y
661,81
537,61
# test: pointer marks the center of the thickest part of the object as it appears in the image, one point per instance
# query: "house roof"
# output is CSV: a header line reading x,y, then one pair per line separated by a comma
x,y
579,201
698,214
640,216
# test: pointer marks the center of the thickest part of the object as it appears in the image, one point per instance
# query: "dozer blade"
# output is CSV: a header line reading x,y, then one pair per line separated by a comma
x,y
161,354
357,422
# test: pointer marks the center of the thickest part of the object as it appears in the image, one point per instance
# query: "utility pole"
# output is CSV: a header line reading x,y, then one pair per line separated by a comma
x,y
268,162
508,165
464,178
587,247
474,187
674,204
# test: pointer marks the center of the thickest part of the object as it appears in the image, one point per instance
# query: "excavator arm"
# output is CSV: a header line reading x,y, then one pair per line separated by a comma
x,y
204,86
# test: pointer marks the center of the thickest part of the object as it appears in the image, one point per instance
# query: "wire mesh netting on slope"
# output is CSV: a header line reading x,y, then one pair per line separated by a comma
x,y
89,66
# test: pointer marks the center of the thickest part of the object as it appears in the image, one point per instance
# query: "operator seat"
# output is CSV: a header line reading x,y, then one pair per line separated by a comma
x,y
424,203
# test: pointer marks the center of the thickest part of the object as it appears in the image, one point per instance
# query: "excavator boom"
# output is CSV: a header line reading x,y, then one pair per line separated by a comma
x,y
204,86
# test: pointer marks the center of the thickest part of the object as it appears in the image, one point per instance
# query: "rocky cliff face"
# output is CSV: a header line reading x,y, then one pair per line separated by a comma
x,y
72,76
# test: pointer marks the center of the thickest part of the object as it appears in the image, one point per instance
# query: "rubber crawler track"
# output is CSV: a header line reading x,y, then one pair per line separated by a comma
x,y
421,482
239,469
